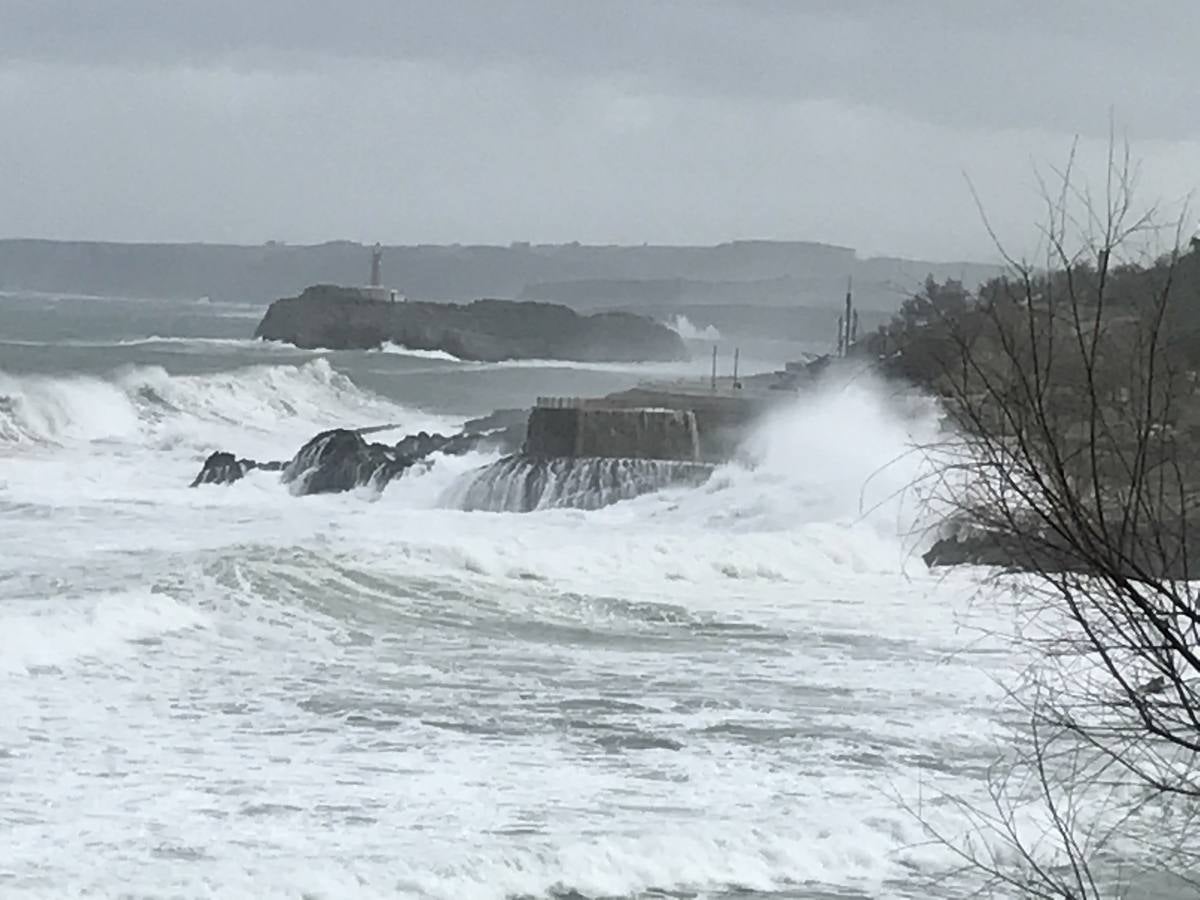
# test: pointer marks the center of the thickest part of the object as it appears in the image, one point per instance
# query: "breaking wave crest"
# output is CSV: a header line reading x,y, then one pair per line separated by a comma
x,y
147,405
845,465
849,453
693,692
401,350
683,327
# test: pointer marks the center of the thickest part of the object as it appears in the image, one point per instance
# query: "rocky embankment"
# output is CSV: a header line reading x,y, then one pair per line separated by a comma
x,y
1163,553
338,318
999,551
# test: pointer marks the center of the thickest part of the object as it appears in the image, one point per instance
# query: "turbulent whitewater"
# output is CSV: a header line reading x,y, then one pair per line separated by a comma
x,y
718,688
523,484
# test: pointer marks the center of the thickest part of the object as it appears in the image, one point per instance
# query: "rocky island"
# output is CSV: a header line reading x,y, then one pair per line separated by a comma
x,y
343,318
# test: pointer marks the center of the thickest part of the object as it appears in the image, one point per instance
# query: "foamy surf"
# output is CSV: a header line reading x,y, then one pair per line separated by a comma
x,y
401,350
278,405
704,691
683,327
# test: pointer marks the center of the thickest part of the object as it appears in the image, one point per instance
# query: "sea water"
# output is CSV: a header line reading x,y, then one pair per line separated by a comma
x,y
743,689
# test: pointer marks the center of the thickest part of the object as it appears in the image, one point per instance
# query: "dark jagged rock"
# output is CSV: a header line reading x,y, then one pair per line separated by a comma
x,y
222,468
975,550
421,444
487,330
1163,554
225,468
1031,552
341,460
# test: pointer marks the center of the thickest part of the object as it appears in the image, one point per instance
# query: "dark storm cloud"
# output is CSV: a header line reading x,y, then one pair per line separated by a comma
x,y
1057,65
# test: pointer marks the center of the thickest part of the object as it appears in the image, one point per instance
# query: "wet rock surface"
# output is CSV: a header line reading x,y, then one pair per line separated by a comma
x,y
340,318
342,459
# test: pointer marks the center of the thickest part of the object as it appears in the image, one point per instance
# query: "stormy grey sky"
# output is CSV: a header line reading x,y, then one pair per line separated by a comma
x,y
667,121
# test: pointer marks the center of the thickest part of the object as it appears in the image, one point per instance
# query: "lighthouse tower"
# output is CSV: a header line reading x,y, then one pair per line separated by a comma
x,y
377,267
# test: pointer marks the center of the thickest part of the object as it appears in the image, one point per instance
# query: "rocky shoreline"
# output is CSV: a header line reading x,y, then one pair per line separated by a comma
x,y
342,459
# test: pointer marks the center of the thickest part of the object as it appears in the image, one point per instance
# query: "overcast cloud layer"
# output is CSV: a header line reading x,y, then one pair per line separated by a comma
x,y
602,121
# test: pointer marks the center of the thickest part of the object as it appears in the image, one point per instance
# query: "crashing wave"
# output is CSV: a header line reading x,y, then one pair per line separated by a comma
x,y
527,483
683,327
401,350
146,404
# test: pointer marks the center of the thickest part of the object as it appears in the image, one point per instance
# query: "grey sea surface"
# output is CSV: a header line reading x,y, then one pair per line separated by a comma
x,y
719,692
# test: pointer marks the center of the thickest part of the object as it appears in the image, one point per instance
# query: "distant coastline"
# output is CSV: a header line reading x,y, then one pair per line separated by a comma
x,y
758,273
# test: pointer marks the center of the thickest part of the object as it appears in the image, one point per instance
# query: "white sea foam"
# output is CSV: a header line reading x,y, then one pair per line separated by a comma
x,y
846,453
645,369
400,350
236,691
197,344
247,410
91,628
683,327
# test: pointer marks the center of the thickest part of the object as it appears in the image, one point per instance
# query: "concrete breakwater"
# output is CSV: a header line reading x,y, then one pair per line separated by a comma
x,y
590,452
571,428
526,483
646,423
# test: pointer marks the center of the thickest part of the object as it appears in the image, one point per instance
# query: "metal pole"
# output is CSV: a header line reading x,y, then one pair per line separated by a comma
x,y
736,351
849,314
714,369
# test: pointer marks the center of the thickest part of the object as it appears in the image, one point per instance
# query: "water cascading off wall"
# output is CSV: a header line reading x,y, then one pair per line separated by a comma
x,y
527,483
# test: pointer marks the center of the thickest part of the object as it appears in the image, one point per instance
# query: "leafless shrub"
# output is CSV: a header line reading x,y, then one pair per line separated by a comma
x,y
1072,386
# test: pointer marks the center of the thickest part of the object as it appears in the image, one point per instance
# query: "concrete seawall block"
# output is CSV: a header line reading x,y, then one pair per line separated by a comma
x,y
613,433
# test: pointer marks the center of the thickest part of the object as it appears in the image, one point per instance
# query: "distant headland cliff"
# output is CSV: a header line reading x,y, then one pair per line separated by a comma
x,y
655,280
342,318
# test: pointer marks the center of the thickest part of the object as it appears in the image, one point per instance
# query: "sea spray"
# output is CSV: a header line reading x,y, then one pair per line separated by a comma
x,y
852,454
844,452
401,350
683,327
854,448
264,410
654,697
38,409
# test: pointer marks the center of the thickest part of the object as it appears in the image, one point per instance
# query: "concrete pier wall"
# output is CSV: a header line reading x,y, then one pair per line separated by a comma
x,y
566,430
722,421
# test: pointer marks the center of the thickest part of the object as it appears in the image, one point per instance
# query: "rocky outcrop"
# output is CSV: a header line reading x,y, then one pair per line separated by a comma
x,y
225,468
1161,554
221,468
981,549
339,318
342,459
